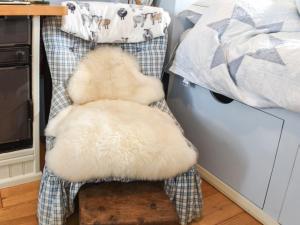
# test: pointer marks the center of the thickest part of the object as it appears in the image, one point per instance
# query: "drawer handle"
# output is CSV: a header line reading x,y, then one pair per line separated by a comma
x,y
30,109
221,98
20,55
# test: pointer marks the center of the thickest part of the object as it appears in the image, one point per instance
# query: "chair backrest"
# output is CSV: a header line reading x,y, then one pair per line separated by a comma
x,y
64,52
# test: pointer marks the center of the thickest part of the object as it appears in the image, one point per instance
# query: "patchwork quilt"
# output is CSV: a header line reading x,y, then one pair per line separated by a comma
x,y
247,50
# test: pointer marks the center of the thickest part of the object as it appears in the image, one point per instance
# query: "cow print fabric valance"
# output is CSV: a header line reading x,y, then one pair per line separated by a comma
x,y
103,22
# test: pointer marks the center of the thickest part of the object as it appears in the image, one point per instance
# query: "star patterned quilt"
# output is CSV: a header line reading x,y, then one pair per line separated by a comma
x,y
247,50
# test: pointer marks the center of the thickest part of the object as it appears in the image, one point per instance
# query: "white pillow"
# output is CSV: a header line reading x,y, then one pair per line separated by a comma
x,y
114,138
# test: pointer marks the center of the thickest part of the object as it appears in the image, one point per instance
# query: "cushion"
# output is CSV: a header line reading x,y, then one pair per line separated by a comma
x,y
107,22
114,138
110,73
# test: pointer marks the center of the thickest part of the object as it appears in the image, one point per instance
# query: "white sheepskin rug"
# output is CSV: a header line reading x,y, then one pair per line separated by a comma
x,y
110,131
117,138
110,73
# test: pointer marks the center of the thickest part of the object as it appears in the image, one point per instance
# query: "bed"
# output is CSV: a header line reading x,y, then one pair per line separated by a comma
x,y
245,51
248,137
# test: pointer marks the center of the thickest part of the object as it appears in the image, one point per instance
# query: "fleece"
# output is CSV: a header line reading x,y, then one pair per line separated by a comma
x,y
110,131
115,138
110,73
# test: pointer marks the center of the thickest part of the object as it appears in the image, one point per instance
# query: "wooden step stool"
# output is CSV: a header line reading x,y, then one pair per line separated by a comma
x,y
134,203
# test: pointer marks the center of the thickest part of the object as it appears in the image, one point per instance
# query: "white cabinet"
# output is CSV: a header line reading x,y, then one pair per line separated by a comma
x,y
236,143
290,214
255,151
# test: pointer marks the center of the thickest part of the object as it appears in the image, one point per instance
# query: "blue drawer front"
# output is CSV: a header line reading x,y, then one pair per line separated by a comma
x,y
236,143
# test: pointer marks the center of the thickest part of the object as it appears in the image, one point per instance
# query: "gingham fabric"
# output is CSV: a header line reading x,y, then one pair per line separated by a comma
x,y
56,197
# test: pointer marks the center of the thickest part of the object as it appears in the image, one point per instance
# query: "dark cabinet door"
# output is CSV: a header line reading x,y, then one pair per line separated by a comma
x,y
15,56
15,30
15,107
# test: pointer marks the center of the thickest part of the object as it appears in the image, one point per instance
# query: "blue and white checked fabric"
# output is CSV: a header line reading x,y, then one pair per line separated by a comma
x,y
64,51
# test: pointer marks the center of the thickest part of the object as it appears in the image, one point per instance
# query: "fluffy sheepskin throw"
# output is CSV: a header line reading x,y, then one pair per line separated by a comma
x,y
110,73
117,139
110,131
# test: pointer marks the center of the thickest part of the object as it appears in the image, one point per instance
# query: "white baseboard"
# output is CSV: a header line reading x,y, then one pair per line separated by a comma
x,y
236,197
22,179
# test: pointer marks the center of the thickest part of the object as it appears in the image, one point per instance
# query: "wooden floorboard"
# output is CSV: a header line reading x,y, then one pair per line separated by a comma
x,y
1,206
28,220
18,207
207,189
240,219
19,190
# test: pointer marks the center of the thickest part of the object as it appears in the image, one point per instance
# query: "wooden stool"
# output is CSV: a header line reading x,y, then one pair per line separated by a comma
x,y
133,203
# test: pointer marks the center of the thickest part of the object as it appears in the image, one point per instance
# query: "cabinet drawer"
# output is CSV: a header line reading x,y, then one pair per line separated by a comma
x,y
15,105
15,30
290,211
14,56
236,143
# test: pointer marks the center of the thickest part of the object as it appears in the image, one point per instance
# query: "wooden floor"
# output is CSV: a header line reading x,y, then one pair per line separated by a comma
x,y
18,207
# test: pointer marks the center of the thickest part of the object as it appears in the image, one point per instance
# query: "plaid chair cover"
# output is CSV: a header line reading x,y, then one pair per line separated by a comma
x,y
64,51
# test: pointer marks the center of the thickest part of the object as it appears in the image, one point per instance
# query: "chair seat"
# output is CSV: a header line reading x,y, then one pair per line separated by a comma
x,y
133,203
